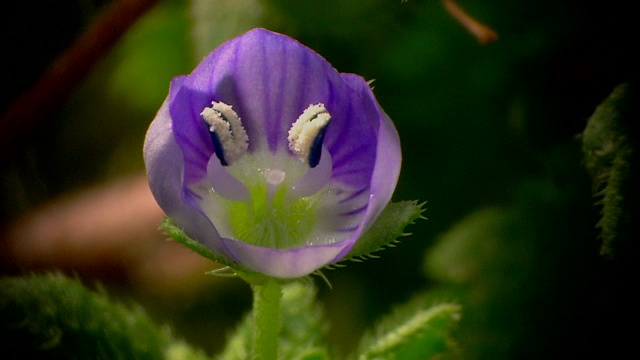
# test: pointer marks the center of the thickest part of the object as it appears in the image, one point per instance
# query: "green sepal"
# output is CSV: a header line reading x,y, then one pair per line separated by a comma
x,y
610,146
412,331
55,317
387,228
302,331
172,230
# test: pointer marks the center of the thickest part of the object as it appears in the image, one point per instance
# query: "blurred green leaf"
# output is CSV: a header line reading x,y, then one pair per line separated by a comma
x,y
413,331
153,51
302,335
55,317
610,147
518,275
216,21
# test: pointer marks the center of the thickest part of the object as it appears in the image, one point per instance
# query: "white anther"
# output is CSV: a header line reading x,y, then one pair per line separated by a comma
x,y
223,121
304,131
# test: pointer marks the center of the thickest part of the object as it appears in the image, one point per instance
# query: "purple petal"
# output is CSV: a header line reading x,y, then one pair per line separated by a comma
x,y
351,137
284,264
190,131
224,183
387,164
270,79
164,164
315,178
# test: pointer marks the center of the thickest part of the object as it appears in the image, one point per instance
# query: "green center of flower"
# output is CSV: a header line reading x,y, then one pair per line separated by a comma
x,y
272,217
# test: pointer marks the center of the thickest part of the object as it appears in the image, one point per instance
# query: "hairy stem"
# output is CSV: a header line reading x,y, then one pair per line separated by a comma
x,y
266,309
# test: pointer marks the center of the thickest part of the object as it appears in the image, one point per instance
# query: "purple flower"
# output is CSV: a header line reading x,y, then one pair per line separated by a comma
x,y
270,157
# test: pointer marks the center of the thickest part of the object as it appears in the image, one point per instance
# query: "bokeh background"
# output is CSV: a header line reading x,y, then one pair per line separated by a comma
x,y
489,135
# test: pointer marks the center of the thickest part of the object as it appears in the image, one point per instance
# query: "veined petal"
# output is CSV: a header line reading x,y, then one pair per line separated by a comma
x,y
284,263
269,79
388,159
164,164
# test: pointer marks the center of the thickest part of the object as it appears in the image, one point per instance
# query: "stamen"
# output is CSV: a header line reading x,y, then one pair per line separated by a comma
x,y
307,133
229,138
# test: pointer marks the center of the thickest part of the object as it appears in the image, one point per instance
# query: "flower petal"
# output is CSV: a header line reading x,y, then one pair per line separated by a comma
x,y
269,79
190,131
284,263
164,164
351,136
388,160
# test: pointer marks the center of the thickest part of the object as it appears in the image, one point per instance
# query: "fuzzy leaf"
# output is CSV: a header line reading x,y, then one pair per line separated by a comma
x,y
388,227
610,144
302,328
52,316
239,344
413,331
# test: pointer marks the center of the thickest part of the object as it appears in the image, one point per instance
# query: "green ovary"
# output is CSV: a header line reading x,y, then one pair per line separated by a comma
x,y
272,220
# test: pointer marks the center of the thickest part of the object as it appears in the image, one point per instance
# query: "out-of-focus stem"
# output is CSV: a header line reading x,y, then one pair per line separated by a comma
x,y
37,104
480,31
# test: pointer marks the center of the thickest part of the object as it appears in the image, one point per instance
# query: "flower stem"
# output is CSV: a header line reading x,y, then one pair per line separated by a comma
x,y
266,309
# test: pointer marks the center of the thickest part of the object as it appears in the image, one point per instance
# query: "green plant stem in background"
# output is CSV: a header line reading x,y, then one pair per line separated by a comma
x,y
266,309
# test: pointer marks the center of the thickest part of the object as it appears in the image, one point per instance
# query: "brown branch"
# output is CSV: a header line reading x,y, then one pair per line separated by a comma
x,y
34,107
480,31
109,231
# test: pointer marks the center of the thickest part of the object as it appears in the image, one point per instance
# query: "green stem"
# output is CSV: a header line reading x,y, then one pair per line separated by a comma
x,y
266,309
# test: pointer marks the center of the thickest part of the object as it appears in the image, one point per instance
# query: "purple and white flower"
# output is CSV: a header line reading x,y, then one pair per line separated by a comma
x,y
270,157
